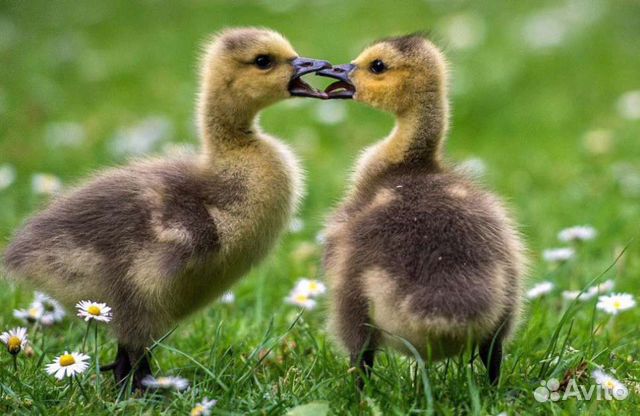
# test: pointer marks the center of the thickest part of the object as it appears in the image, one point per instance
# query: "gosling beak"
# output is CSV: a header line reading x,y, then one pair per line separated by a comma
x,y
343,88
303,66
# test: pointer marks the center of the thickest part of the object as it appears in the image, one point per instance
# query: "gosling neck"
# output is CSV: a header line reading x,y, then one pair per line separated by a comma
x,y
418,137
224,124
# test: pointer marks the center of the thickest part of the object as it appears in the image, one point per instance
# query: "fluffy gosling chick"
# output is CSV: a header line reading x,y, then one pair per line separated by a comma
x,y
417,251
160,238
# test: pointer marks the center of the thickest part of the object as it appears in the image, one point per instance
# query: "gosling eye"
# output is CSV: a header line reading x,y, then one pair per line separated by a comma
x,y
263,61
377,67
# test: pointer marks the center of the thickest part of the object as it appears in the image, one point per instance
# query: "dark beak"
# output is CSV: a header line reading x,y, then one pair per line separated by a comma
x,y
303,66
343,88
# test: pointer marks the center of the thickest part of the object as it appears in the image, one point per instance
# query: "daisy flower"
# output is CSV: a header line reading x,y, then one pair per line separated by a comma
x,y
45,184
590,293
474,167
68,365
301,299
15,339
203,408
93,311
558,255
53,311
311,287
165,383
604,287
296,225
577,233
610,384
32,314
540,289
615,303
629,105
7,176
228,298
575,294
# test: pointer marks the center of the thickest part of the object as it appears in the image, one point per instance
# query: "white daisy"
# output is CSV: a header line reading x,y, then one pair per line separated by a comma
x,y
629,105
142,137
615,303
610,384
540,289
228,298
15,339
203,408
474,167
68,365
575,294
32,314
296,225
301,299
577,233
165,383
604,287
90,310
544,29
7,175
53,311
590,293
45,184
311,287
464,30
558,255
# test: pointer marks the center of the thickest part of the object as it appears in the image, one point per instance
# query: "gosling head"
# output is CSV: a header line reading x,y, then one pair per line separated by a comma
x,y
393,74
249,69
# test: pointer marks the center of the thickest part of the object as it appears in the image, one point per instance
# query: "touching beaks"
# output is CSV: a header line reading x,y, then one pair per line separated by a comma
x,y
343,88
303,66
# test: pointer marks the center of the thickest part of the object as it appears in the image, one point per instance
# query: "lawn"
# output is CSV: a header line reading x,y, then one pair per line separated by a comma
x,y
546,111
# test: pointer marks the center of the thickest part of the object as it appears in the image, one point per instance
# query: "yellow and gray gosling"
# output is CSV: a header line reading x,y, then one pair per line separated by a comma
x,y
417,251
160,238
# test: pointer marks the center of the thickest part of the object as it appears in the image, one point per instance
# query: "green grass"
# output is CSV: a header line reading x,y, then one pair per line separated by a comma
x,y
523,111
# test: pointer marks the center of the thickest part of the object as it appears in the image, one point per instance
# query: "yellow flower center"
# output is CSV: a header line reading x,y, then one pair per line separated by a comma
x,y
301,297
617,304
33,312
94,310
198,410
14,344
164,382
67,360
313,286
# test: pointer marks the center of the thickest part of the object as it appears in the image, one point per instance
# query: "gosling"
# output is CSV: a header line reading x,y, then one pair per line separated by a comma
x,y
417,252
160,238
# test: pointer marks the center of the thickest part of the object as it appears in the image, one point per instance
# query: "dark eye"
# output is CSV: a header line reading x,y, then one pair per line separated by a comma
x,y
377,67
263,61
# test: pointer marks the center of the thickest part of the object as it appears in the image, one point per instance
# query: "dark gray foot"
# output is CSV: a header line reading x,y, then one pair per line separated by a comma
x,y
142,370
364,363
121,367
491,356
124,365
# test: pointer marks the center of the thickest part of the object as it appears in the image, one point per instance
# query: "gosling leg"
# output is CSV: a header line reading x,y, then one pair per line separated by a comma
x,y
141,368
121,367
364,362
491,356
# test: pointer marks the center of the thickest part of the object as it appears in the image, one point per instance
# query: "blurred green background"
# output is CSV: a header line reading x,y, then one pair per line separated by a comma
x,y
545,98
